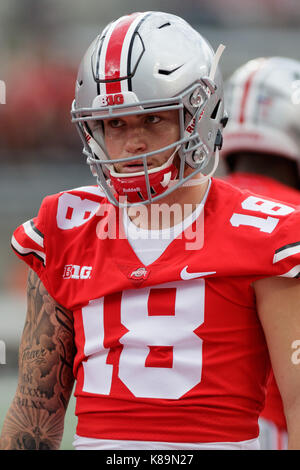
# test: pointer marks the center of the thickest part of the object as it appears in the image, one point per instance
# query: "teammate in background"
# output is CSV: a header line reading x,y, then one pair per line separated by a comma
x,y
262,153
162,289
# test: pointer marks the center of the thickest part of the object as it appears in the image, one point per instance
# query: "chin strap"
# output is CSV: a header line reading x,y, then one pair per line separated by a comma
x,y
216,60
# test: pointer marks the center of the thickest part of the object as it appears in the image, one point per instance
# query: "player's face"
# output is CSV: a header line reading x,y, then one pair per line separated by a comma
x,y
135,135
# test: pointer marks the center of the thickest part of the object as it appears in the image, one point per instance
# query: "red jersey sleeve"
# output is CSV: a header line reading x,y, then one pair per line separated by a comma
x,y
29,243
53,239
286,256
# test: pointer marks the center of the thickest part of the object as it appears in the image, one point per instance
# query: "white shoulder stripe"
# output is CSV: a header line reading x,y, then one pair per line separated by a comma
x,y
32,234
292,272
25,251
292,250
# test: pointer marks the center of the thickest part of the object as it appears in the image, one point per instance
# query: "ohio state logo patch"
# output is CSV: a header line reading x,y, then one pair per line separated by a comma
x,y
139,274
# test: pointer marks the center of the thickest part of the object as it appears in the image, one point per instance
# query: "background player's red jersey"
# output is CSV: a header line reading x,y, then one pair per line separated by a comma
x,y
266,186
172,351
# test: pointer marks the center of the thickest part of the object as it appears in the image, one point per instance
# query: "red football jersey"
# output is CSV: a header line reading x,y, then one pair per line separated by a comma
x,y
266,186
172,351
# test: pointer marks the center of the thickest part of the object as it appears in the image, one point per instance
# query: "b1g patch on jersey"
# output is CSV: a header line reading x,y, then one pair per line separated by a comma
x,y
74,271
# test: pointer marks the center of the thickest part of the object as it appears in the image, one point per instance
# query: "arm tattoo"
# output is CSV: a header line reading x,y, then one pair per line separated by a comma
x,y
36,416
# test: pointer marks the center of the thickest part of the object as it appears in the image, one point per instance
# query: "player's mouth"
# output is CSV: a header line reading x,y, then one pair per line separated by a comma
x,y
135,167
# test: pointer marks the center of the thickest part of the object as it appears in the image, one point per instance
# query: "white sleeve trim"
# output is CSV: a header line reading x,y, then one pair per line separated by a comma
x,y
32,234
25,251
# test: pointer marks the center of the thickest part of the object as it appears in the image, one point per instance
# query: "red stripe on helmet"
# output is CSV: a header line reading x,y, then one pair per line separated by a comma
x,y
246,91
113,53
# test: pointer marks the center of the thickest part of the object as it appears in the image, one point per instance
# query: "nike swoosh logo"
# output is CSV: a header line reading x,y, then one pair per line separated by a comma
x,y
168,72
186,276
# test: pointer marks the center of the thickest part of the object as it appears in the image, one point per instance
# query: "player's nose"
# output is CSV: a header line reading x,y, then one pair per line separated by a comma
x,y
136,141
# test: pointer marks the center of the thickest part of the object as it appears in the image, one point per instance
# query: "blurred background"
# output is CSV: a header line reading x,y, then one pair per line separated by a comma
x,y
41,44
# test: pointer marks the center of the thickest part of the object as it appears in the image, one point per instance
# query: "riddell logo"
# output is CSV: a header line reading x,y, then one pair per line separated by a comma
x,y
190,128
73,271
131,190
87,137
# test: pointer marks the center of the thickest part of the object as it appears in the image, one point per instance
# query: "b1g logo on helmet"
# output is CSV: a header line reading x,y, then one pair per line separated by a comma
x,y
111,100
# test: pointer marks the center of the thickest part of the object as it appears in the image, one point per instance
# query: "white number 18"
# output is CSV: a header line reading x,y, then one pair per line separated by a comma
x,y
264,206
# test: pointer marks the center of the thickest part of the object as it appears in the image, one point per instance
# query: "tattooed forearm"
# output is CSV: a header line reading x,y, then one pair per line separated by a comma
x,y
35,418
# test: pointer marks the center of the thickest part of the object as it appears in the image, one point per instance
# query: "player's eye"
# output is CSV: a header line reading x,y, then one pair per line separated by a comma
x,y
115,123
152,119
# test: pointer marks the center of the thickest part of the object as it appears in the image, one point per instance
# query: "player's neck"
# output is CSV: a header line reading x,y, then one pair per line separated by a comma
x,y
170,210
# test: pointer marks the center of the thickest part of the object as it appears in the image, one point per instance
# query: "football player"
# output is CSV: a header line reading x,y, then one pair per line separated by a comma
x,y
161,290
262,153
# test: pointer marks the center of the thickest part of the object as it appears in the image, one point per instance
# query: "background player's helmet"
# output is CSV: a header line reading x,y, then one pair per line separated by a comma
x,y
139,63
262,99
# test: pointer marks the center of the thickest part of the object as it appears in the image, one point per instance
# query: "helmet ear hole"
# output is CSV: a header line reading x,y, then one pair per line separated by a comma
x,y
219,140
215,110
224,120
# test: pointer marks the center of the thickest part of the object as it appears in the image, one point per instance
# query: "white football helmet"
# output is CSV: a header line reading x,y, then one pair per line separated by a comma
x,y
139,63
262,99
